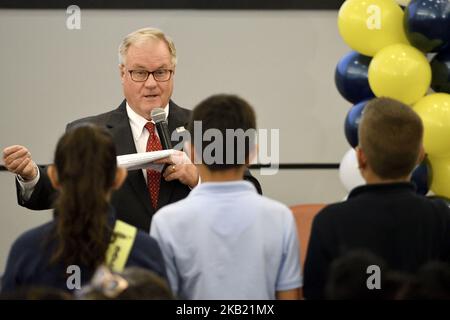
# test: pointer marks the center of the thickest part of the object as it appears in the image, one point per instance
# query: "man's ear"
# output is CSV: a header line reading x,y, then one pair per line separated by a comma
x,y
121,174
53,176
361,158
122,72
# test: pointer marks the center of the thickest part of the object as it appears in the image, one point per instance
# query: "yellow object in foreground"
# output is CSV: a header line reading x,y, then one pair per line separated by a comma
x,y
434,110
121,243
440,180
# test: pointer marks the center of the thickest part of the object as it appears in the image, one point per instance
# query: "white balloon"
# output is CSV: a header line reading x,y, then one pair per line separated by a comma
x,y
403,2
349,172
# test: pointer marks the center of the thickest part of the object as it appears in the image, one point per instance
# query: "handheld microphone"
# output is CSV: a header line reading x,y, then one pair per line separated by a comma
x,y
159,117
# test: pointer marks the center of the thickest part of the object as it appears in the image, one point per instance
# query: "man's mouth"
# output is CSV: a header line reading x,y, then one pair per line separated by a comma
x,y
151,96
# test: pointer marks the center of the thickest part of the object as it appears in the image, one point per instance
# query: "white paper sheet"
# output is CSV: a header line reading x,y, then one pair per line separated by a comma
x,y
143,160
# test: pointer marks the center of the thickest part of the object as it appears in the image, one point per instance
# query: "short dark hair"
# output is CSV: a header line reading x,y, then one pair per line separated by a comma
x,y
431,282
390,135
223,112
146,285
348,274
36,293
348,277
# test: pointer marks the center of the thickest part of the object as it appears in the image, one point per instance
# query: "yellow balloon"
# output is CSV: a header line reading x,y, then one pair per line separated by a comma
x,y
403,2
434,110
440,177
368,26
400,72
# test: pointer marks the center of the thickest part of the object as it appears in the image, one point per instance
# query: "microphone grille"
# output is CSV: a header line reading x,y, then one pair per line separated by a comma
x,y
158,115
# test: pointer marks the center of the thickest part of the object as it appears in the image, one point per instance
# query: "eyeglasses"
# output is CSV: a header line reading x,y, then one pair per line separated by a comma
x,y
160,75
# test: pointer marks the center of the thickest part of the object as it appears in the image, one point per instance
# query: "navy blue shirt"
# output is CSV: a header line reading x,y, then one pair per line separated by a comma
x,y
392,221
28,261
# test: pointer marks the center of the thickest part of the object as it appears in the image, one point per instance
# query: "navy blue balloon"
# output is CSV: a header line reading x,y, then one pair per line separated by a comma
x,y
352,123
420,178
427,24
440,66
351,77
444,199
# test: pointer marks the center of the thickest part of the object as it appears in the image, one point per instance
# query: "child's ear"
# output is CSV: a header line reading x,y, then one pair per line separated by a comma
x,y
190,151
422,155
53,176
361,158
252,155
121,174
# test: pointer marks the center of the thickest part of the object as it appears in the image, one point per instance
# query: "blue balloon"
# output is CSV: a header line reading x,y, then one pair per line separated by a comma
x,y
420,178
352,123
427,24
351,77
440,66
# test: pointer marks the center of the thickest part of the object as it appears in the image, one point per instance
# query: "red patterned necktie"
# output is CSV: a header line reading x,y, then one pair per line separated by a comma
x,y
153,177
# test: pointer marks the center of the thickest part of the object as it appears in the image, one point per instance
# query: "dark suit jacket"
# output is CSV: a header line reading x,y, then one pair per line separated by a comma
x,y
132,200
401,227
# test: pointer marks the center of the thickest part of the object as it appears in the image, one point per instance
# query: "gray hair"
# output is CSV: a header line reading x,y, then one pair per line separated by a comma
x,y
143,35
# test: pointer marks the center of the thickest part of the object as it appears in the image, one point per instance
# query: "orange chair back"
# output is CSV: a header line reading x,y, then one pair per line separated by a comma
x,y
304,215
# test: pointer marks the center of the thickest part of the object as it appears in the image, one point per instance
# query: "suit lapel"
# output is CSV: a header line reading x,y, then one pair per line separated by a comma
x,y
119,126
176,119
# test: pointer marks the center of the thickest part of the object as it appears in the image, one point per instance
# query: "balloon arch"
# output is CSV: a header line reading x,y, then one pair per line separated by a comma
x,y
401,50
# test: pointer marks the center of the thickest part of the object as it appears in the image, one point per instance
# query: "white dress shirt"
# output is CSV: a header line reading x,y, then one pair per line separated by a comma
x,y
139,132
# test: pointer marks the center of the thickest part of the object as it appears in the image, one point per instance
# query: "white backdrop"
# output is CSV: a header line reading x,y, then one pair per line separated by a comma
x,y
282,62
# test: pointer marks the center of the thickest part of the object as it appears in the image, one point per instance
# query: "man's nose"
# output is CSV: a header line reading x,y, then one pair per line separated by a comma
x,y
150,82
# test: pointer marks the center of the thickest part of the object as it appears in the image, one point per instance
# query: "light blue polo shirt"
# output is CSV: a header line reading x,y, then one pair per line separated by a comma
x,y
225,241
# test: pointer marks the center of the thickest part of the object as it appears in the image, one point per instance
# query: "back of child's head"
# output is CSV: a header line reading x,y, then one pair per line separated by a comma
x,y
431,282
348,276
85,161
132,284
227,133
362,275
36,293
390,135
86,156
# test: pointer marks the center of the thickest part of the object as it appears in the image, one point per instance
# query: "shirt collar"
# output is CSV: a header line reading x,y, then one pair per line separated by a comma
x,y
137,122
223,188
383,188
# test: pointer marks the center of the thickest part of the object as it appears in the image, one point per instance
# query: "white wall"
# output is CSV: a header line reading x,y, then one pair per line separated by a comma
x,y
282,62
